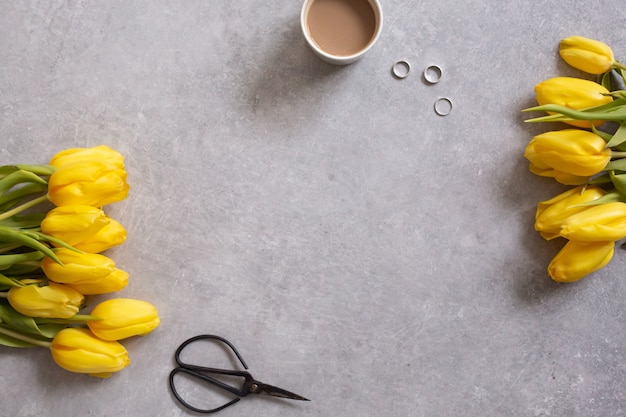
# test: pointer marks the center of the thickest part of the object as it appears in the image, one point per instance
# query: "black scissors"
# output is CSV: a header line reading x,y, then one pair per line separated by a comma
x,y
250,385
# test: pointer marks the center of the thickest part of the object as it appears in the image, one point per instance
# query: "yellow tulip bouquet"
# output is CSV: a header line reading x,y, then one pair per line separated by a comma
x,y
52,232
590,156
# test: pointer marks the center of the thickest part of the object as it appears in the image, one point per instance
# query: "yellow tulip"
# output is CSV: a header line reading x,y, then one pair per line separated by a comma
x,y
92,183
78,350
537,167
578,259
74,224
552,213
86,228
572,151
89,273
589,55
123,317
97,153
561,177
601,223
113,234
574,93
48,301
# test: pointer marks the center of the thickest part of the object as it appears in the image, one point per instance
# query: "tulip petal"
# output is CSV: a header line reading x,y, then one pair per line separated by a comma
x,y
78,350
122,318
97,153
589,55
551,214
48,301
578,259
572,151
573,93
604,222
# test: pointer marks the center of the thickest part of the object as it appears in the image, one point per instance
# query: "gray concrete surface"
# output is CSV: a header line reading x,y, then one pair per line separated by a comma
x,y
357,248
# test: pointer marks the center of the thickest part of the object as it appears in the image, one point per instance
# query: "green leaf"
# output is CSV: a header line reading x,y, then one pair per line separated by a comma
x,y
604,135
617,103
19,177
619,136
25,324
13,196
8,234
8,260
611,197
8,247
48,238
26,268
606,80
614,114
38,169
9,341
549,118
622,73
7,169
9,282
609,111
619,181
24,221
616,165
602,179
49,330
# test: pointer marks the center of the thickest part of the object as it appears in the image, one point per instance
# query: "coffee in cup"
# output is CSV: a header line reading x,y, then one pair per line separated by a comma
x,y
341,31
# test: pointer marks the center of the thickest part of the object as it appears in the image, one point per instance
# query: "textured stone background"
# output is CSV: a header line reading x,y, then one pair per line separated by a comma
x,y
356,248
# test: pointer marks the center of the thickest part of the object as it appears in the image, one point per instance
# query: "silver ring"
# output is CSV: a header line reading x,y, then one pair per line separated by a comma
x,y
443,106
432,74
401,69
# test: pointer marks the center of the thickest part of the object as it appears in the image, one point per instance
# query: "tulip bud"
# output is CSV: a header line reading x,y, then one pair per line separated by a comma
x,y
552,213
78,350
97,153
111,235
561,177
89,273
572,151
48,301
92,183
538,167
574,93
591,56
600,223
578,259
123,317
74,224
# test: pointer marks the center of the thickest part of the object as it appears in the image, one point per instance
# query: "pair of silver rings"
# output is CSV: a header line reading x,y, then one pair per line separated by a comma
x,y
432,74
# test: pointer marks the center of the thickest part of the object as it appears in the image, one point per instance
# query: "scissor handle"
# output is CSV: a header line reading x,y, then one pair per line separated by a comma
x,y
200,337
201,373
185,403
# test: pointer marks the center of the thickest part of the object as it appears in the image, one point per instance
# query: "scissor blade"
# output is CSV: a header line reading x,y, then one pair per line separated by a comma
x,y
279,392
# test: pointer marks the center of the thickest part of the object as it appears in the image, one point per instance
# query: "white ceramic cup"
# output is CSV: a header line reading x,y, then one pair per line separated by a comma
x,y
341,59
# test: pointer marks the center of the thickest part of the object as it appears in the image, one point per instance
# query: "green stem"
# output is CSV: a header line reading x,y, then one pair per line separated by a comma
x,y
616,114
77,318
41,236
7,260
616,154
9,248
38,169
619,65
23,207
4,295
9,234
24,338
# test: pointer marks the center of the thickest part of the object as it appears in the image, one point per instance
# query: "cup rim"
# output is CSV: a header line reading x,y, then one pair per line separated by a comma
x,y
378,12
